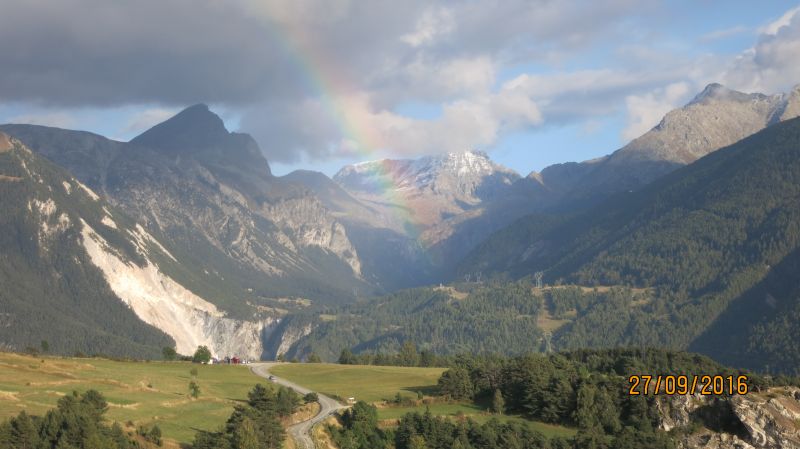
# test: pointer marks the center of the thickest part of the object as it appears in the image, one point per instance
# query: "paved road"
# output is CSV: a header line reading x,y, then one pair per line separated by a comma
x,y
301,432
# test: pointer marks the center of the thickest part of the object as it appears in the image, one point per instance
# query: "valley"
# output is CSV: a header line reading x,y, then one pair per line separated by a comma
x,y
196,237
558,224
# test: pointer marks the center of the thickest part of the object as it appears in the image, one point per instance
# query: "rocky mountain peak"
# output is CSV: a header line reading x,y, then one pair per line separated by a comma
x,y
716,117
195,126
199,133
421,172
716,92
471,162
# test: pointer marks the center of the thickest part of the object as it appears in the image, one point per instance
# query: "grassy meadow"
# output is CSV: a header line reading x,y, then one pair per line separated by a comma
x,y
365,383
142,392
147,393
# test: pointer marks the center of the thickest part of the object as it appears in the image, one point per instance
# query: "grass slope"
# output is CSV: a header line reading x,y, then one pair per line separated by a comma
x,y
365,383
143,392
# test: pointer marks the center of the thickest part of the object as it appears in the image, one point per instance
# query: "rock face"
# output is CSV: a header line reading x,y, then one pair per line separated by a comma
x,y
166,305
768,420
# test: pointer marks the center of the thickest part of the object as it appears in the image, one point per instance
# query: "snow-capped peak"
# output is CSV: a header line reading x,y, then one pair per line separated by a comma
x,y
461,171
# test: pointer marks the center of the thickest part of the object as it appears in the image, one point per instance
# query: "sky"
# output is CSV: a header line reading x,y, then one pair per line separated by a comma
x,y
324,83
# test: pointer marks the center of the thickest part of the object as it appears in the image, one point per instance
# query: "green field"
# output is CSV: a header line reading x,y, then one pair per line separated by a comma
x,y
157,392
365,383
142,392
376,384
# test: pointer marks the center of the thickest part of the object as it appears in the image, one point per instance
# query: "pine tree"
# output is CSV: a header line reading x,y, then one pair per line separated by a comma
x,y
498,403
245,436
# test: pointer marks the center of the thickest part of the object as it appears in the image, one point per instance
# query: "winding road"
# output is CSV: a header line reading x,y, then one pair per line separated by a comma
x,y
301,432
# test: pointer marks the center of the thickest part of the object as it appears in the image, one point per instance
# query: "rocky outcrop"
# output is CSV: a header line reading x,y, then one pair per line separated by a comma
x,y
768,420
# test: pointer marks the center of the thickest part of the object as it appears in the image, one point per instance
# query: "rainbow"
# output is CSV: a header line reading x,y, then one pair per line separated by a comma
x,y
330,86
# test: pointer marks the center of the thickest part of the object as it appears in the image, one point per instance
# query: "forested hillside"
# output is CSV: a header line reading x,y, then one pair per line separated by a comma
x,y
482,318
702,237
52,296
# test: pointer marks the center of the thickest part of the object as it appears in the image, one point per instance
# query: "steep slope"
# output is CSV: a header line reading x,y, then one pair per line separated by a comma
x,y
51,289
390,258
336,199
702,236
80,274
245,237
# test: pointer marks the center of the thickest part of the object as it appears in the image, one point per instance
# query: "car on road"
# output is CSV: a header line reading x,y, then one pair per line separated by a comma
x,y
272,378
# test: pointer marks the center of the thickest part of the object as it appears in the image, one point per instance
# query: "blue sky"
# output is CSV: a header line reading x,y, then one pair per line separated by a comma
x,y
532,83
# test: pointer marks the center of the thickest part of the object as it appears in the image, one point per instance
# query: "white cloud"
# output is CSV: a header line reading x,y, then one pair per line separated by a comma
x,y
645,111
313,79
771,65
773,27
279,61
434,22
476,122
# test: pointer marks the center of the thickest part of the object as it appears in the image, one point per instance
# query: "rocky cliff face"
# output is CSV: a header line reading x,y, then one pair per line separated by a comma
x,y
168,306
769,420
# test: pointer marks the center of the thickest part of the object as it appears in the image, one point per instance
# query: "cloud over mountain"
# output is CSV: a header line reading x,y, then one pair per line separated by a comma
x,y
313,80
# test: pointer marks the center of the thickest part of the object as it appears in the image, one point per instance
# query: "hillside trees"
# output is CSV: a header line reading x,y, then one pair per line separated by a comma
x,y
76,422
254,424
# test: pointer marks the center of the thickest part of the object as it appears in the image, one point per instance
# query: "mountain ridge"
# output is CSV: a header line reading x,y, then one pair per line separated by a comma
x,y
228,215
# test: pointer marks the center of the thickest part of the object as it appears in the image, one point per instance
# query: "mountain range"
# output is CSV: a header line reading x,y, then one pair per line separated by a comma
x,y
206,236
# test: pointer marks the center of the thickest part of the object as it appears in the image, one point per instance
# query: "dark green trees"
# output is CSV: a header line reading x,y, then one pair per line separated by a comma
x,y
254,425
169,353
347,357
498,403
202,355
77,422
360,429
456,383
